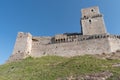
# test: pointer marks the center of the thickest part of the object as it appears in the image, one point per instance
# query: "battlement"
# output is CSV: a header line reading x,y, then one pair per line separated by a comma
x,y
23,35
93,16
73,38
88,12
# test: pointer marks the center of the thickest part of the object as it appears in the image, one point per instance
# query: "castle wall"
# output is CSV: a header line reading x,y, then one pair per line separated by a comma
x,y
39,45
26,45
90,46
41,40
114,43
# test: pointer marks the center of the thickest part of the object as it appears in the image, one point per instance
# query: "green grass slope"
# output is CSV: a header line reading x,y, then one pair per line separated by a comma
x,y
54,67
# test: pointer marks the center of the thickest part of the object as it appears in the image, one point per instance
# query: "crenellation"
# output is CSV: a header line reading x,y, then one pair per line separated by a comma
x,y
92,16
90,11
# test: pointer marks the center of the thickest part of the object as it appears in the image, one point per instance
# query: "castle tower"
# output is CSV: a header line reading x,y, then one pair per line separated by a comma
x,y
92,21
23,46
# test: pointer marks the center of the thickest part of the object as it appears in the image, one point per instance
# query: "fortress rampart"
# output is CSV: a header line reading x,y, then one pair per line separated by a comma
x,y
93,39
42,46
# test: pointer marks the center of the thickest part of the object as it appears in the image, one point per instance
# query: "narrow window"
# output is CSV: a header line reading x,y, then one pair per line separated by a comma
x,y
92,10
18,51
84,16
90,21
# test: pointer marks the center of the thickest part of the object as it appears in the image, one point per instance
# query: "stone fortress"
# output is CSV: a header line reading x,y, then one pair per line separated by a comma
x,y
93,39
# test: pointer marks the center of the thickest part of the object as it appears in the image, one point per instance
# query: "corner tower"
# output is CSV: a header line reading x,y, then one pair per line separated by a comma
x,y
92,21
23,43
22,48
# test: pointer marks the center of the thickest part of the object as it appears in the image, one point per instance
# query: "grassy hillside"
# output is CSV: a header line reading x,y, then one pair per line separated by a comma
x,y
54,67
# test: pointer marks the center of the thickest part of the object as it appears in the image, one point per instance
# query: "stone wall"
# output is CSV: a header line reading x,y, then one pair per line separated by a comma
x,y
26,45
88,46
114,42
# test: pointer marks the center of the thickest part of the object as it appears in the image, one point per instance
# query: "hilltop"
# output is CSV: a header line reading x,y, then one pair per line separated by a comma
x,y
61,68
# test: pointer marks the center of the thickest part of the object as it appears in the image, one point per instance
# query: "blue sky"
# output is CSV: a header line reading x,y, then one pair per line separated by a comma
x,y
49,17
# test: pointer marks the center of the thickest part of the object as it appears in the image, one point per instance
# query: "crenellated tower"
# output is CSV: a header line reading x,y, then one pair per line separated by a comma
x,y
92,21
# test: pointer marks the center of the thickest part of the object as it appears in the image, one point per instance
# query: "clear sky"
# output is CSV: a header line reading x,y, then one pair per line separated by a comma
x,y
49,17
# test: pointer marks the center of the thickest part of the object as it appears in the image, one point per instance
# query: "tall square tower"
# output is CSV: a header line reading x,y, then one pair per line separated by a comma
x,y
92,21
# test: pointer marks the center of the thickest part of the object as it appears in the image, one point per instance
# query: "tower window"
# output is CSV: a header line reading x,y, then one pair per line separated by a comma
x,y
90,21
84,16
92,10
20,36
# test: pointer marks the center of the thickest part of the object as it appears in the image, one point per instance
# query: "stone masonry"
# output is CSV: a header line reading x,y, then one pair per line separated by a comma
x,y
93,39
92,21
